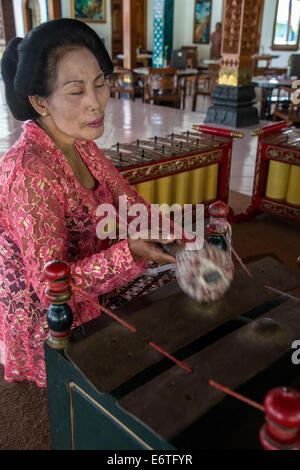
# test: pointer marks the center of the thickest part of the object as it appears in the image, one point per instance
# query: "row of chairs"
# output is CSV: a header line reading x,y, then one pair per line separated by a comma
x,y
162,85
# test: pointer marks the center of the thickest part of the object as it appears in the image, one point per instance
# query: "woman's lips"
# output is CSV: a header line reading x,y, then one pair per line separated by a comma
x,y
97,123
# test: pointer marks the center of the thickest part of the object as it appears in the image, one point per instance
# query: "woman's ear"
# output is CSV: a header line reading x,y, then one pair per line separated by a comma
x,y
39,104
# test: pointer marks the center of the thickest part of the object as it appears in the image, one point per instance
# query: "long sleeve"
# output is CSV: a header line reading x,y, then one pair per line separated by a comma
x,y
45,214
36,210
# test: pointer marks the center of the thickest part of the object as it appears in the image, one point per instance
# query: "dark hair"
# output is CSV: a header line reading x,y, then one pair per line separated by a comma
x,y
28,65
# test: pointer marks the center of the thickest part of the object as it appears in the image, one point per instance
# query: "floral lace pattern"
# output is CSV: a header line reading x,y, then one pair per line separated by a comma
x,y
45,214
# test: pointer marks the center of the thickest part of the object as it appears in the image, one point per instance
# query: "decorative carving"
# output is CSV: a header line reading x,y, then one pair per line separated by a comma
x,y
233,77
282,210
240,33
240,30
250,27
231,27
170,166
236,62
284,155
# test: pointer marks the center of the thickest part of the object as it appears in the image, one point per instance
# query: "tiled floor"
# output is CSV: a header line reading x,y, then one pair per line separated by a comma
x,y
126,121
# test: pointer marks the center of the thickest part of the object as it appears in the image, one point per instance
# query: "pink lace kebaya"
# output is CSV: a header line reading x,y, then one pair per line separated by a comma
x,y
45,214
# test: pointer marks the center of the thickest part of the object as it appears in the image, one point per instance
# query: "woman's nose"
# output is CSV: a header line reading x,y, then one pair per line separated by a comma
x,y
92,100
95,100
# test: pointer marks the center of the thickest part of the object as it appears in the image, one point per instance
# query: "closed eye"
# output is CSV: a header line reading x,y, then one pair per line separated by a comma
x,y
81,92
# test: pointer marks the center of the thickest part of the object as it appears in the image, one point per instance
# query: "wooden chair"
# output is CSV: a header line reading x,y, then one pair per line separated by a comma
x,y
122,81
162,85
192,56
256,70
187,84
285,108
192,63
204,85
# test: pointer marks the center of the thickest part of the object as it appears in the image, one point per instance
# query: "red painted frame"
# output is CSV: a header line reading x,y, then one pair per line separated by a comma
x,y
260,203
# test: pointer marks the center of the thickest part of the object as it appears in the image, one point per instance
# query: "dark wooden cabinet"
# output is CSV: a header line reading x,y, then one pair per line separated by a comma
x,y
141,23
117,25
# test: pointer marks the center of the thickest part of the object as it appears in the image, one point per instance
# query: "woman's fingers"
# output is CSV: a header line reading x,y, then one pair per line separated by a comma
x,y
148,249
160,256
179,243
164,241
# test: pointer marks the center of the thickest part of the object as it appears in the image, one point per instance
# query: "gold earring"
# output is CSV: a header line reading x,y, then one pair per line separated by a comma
x,y
45,113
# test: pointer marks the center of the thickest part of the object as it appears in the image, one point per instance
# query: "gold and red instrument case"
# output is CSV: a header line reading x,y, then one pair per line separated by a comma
x,y
193,166
276,186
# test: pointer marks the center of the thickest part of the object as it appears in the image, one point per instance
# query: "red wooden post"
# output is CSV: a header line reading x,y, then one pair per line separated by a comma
x,y
58,292
282,427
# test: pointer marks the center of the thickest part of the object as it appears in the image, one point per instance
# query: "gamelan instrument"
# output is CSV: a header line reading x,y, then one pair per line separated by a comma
x,y
158,372
276,188
169,370
191,167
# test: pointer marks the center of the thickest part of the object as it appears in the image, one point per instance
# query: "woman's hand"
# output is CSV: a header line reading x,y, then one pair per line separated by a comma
x,y
149,249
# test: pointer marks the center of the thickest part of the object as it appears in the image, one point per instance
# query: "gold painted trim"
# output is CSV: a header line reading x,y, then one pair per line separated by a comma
x,y
275,153
236,134
283,210
258,132
72,385
170,166
234,77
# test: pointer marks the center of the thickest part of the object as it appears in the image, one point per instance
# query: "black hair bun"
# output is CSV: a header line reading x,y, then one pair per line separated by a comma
x,y
19,104
9,61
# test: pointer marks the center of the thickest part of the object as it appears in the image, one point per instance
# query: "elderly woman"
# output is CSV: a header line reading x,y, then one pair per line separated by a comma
x,y
52,181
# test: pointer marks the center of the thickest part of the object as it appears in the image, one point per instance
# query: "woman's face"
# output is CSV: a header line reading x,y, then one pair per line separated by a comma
x,y
78,101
